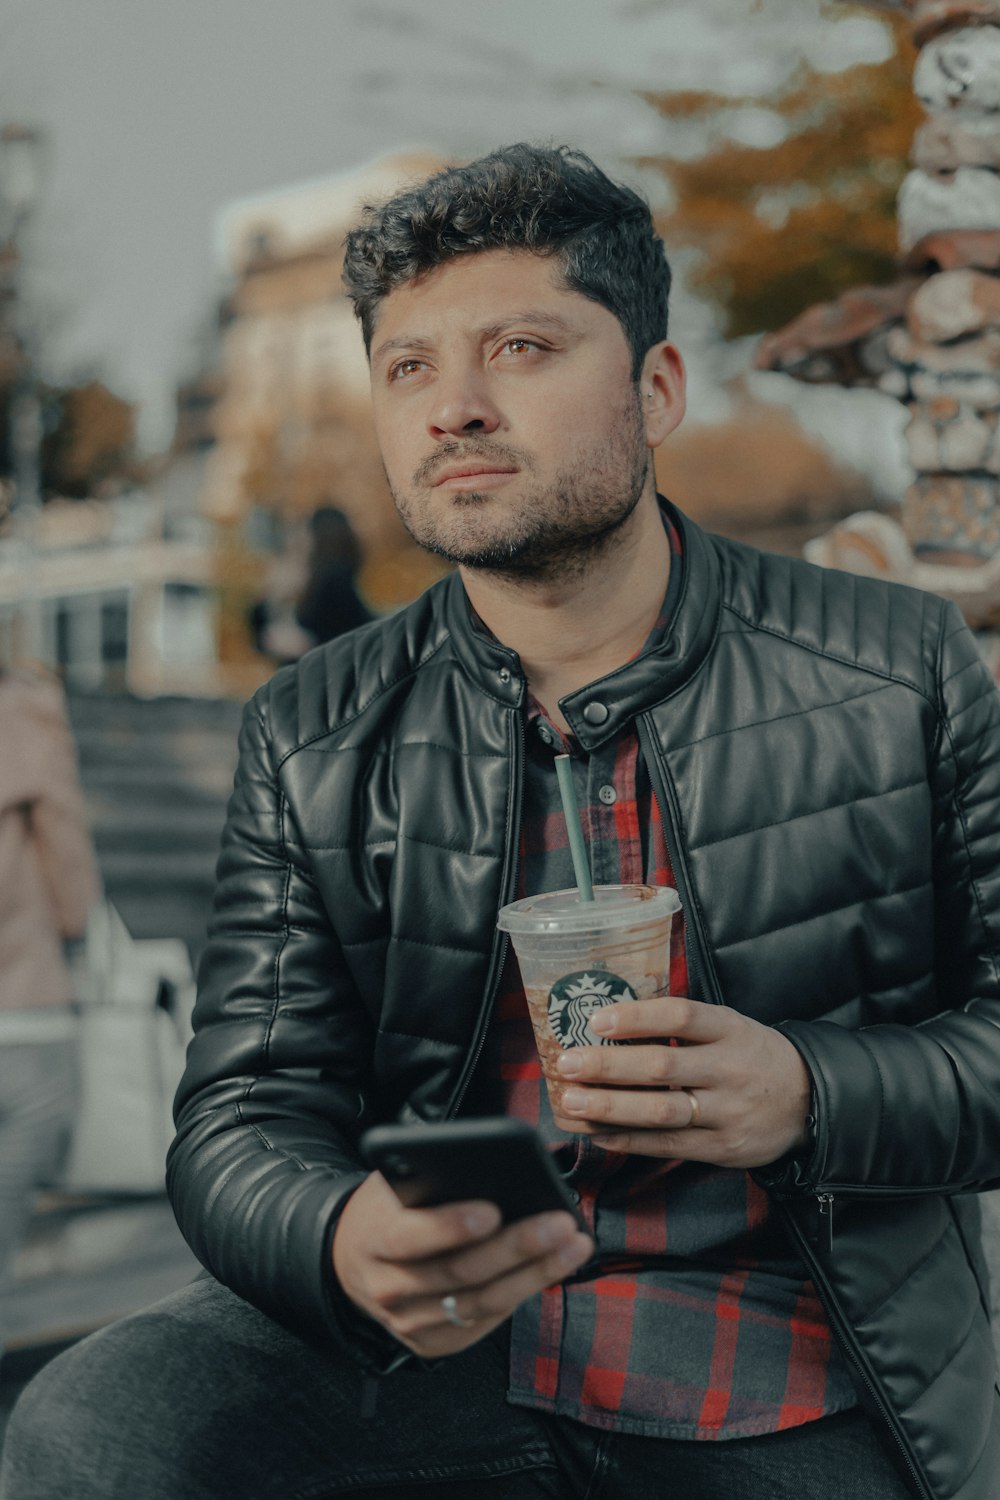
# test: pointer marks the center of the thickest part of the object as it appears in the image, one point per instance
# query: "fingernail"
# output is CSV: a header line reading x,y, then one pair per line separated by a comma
x,y
575,1099
573,1255
603,1022
480,1220
569,1065
545,1234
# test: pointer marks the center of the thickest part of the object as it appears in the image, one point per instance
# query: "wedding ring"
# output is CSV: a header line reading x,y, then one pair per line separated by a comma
x,y
692,1099
450,1309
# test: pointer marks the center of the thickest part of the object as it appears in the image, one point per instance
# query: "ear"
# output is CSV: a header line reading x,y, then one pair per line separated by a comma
x,y
663,392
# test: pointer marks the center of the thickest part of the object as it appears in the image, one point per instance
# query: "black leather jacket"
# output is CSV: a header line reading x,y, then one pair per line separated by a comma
x,y
825,753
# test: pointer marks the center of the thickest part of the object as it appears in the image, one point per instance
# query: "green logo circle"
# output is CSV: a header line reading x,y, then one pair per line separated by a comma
x,y
574,998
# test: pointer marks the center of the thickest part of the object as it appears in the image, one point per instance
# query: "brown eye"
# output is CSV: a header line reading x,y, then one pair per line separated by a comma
x,y
518,348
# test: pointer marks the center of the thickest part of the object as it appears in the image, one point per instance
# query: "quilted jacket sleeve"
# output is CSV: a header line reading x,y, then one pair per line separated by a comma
x,y
917,1109
271,1098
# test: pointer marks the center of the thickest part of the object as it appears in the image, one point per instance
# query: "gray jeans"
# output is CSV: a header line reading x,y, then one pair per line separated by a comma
x,y
38,1103
203,1398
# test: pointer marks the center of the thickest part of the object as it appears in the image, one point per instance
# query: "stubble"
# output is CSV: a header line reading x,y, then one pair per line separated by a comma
x,y
560,529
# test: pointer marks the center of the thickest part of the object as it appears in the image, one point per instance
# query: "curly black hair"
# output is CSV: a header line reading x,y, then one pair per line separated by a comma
x,y
548,200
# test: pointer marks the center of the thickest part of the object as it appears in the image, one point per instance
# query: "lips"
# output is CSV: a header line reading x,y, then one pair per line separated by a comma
x,y
471,470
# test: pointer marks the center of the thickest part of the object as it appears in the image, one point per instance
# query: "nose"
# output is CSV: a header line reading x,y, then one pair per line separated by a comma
x,y
462,404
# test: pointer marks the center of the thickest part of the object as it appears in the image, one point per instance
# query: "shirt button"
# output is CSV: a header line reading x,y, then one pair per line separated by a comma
x,y
596,713
608,794
545,733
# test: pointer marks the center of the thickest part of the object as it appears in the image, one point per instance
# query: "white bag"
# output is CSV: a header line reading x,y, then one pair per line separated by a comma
x,y
134,1003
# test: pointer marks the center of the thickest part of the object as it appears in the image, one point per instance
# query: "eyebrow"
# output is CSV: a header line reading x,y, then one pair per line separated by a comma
x,y
531,316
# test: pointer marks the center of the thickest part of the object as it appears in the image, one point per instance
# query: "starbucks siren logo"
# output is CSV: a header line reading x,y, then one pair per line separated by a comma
x,y
573,1000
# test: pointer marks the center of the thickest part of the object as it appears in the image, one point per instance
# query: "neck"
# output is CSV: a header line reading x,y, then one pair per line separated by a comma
x,y
568,632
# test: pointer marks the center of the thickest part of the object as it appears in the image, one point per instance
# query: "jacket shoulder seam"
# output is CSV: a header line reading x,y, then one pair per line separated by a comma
x,y
363,708
796,713
828,655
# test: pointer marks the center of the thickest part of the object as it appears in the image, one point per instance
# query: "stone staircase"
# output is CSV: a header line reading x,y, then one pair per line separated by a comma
x,y
156,775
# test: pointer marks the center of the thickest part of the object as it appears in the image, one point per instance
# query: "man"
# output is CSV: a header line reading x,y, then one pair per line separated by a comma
x,y
780,1289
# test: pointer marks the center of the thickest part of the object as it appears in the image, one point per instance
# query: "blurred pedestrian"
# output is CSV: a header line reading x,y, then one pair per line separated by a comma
x,y
48,883
330,604
325,605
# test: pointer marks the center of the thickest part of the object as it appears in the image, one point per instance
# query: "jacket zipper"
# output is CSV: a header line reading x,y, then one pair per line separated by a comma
x,y
701,972
848,1340
499,955
824,1221
705,984
703,980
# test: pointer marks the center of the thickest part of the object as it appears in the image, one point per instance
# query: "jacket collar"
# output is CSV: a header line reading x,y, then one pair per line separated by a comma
x,y
603,708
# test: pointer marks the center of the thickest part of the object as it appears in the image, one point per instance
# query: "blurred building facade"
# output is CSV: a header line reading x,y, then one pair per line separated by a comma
x,y
143,580
282,418
92,583
119,606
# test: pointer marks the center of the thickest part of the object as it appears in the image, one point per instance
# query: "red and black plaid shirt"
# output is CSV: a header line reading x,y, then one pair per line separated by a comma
x,y
711,1329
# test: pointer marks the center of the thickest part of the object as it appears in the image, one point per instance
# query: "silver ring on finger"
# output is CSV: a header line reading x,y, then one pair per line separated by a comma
x,y
693,1100
450,1309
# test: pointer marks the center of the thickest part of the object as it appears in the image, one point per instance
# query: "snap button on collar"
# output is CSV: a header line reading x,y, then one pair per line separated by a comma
x,y
596,713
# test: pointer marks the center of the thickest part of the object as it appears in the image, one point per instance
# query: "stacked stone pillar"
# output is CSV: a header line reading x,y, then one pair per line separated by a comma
x,y
944,357
932,339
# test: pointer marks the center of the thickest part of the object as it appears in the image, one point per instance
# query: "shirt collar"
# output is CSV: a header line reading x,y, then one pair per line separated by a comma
x,y
600,710
532,708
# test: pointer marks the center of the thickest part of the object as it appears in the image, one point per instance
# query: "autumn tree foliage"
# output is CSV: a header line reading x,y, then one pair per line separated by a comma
x,y
88,441
784,227
89,445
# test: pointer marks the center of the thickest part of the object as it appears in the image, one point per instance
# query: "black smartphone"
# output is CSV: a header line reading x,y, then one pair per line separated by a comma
x,y
493,1158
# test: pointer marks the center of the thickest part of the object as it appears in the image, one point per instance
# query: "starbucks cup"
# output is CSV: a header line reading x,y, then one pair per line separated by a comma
x,y
577,956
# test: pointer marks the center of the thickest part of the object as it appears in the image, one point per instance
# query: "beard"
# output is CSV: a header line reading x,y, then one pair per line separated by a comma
x,y
551,530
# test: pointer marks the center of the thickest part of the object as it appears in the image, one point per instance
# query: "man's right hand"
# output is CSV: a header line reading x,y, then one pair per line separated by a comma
x,y
396,1264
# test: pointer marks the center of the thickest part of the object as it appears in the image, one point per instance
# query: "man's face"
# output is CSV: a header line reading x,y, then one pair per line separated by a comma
x,y
507,417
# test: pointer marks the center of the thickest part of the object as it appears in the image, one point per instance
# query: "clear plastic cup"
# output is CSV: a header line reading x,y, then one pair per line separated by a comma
x,y
577,956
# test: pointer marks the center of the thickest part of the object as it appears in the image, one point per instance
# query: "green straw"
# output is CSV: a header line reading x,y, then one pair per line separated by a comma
x,y
581,865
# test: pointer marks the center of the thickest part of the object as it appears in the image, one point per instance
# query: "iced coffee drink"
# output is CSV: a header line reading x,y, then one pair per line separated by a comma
x,y
577,956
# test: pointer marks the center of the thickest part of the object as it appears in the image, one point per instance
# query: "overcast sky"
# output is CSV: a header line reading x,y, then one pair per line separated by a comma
x,y
159,112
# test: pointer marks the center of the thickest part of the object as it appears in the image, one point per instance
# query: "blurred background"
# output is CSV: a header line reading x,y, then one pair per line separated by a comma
x,y
175,183
188,473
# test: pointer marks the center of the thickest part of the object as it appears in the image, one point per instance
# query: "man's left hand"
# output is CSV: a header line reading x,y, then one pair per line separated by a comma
x,y
732,1092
